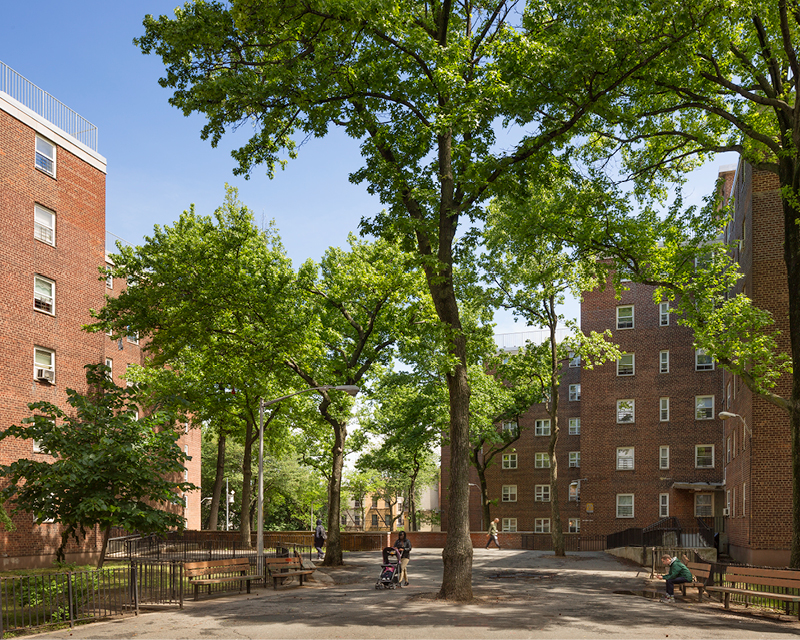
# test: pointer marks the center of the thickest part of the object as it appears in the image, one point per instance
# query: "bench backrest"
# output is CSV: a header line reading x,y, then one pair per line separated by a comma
x,y
207,567
700,570
764,577
276,564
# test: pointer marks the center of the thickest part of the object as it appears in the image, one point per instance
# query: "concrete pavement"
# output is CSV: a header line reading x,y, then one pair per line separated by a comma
x,y
518,594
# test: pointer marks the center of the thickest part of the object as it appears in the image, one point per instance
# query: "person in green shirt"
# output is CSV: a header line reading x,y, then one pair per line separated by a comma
x,y
678,574
493,533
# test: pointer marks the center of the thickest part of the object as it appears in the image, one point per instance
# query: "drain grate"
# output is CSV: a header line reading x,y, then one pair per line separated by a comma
x,y
522,575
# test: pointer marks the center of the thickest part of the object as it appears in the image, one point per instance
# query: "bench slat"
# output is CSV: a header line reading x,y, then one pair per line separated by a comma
x,y
225,579
761,581
788,574
226,562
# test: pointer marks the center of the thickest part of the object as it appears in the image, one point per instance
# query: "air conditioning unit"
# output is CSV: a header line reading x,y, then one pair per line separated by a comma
x,y
726,512
46,374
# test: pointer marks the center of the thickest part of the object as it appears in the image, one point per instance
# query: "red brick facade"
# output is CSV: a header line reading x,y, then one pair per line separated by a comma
x,y
64,254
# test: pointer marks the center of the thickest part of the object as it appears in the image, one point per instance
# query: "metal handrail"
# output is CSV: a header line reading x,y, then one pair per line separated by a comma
x,y
48,107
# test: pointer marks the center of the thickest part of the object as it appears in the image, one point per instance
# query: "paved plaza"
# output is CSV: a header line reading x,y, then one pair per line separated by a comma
x,y
518,594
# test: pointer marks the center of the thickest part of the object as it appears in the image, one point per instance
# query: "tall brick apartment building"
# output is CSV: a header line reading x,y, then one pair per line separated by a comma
x,y
52,241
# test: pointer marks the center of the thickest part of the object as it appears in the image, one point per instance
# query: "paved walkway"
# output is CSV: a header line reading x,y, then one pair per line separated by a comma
x,y
519,594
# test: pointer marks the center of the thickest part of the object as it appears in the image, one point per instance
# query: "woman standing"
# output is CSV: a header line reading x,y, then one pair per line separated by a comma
x,y
404,545
319,538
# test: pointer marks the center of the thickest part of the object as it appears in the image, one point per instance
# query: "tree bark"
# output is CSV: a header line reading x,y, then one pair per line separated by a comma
x,y
557,532
480,467
247,481
104,548
333,548
219,477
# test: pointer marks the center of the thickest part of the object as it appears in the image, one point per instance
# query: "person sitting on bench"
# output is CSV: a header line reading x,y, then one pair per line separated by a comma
x,y
678,574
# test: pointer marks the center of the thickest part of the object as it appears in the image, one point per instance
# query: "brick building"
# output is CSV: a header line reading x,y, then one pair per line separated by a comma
x,y
52,242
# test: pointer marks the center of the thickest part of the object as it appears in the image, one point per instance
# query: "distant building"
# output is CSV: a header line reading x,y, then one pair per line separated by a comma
x,y
52,242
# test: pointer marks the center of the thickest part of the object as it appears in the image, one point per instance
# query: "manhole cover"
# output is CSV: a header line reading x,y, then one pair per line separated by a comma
x,y
521,575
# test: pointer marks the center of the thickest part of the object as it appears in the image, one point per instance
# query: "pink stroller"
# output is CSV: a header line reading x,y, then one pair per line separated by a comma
x,y
390,569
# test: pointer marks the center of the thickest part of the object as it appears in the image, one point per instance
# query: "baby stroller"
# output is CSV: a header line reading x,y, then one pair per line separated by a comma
x,y
390,569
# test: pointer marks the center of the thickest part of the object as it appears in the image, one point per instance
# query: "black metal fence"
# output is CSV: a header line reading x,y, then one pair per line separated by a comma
x,y
669,532
572,542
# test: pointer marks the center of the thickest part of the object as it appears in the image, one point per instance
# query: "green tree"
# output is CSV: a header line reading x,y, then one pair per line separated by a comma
x,y
110,469
424,88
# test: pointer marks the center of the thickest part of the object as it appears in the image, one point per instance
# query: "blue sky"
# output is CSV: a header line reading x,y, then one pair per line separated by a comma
x,y
82,53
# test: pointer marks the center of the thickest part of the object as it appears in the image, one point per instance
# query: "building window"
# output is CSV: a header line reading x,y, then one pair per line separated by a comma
x,y
374,503
44,225
703,361
542,461
663,409
704,456
110,365
344,520
133,337
734,443
374,519
663,314
704,407
542,525
356,504
574,426
574,360
728,449
744,499
542,428
728,395
509,493
625,317
626,411
510,428
663,505
510,525
46,156
574,392
574,458
574,491
733,504
44,295
109,281
624,505
626,365
44,364
387,520
624,458
663,361
703,505
509,461
542,493
663,457
574,525
357,520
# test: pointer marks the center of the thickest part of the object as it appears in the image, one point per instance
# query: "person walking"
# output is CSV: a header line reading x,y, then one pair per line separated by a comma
x,y
402,543
493,533
319,538
678,574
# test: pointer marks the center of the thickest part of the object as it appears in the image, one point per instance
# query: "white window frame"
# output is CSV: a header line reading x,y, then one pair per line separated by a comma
x,y
574,426
575,392
575,459
707,412
41,231
133,338
663,361
509,493
541,525
49,367
663,409
542,428
574,525
734,443
574,491
622,509
43,161
621,409
663,505
708,509
663,314
733,504
697,448
542,493
622,323
110,365
509,525
626,461
663,456
705,366
509,461
728,450
574,360
541,460
626,368
44,299
744,499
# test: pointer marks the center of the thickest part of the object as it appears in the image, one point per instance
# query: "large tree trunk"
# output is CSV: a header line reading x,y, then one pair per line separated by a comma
x,y
247,481
333,549
104,548
219,477
557,532
480,467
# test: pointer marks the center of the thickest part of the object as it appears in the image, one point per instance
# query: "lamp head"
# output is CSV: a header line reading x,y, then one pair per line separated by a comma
x,y
724,415
350,389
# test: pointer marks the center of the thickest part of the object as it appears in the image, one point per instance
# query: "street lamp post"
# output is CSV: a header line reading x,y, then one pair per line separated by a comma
x,y
725,415
347,388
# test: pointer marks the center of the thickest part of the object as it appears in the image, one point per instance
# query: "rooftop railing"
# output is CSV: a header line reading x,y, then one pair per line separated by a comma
x,y
43,104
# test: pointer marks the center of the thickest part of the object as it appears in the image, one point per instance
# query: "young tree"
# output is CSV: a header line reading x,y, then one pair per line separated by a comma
x,y
424,88
110,468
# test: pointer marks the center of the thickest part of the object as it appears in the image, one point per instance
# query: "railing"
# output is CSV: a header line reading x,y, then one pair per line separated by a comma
x,y
51,109
572,542
718,570
667,532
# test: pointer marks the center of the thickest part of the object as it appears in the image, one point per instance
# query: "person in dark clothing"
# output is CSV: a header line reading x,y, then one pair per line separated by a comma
x,y
319,538
492,536
404,546
678,574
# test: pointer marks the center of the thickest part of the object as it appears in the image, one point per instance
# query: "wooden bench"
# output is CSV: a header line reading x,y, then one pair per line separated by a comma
x,y
193,570
282,568
700,572
759,578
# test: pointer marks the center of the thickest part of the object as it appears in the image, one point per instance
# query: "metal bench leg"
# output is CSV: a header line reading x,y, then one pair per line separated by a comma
x,y
727,600
197,592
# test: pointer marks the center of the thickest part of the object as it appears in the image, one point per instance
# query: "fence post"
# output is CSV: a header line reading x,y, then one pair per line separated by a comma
x,y
2,609
69,601
180,589
135,587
